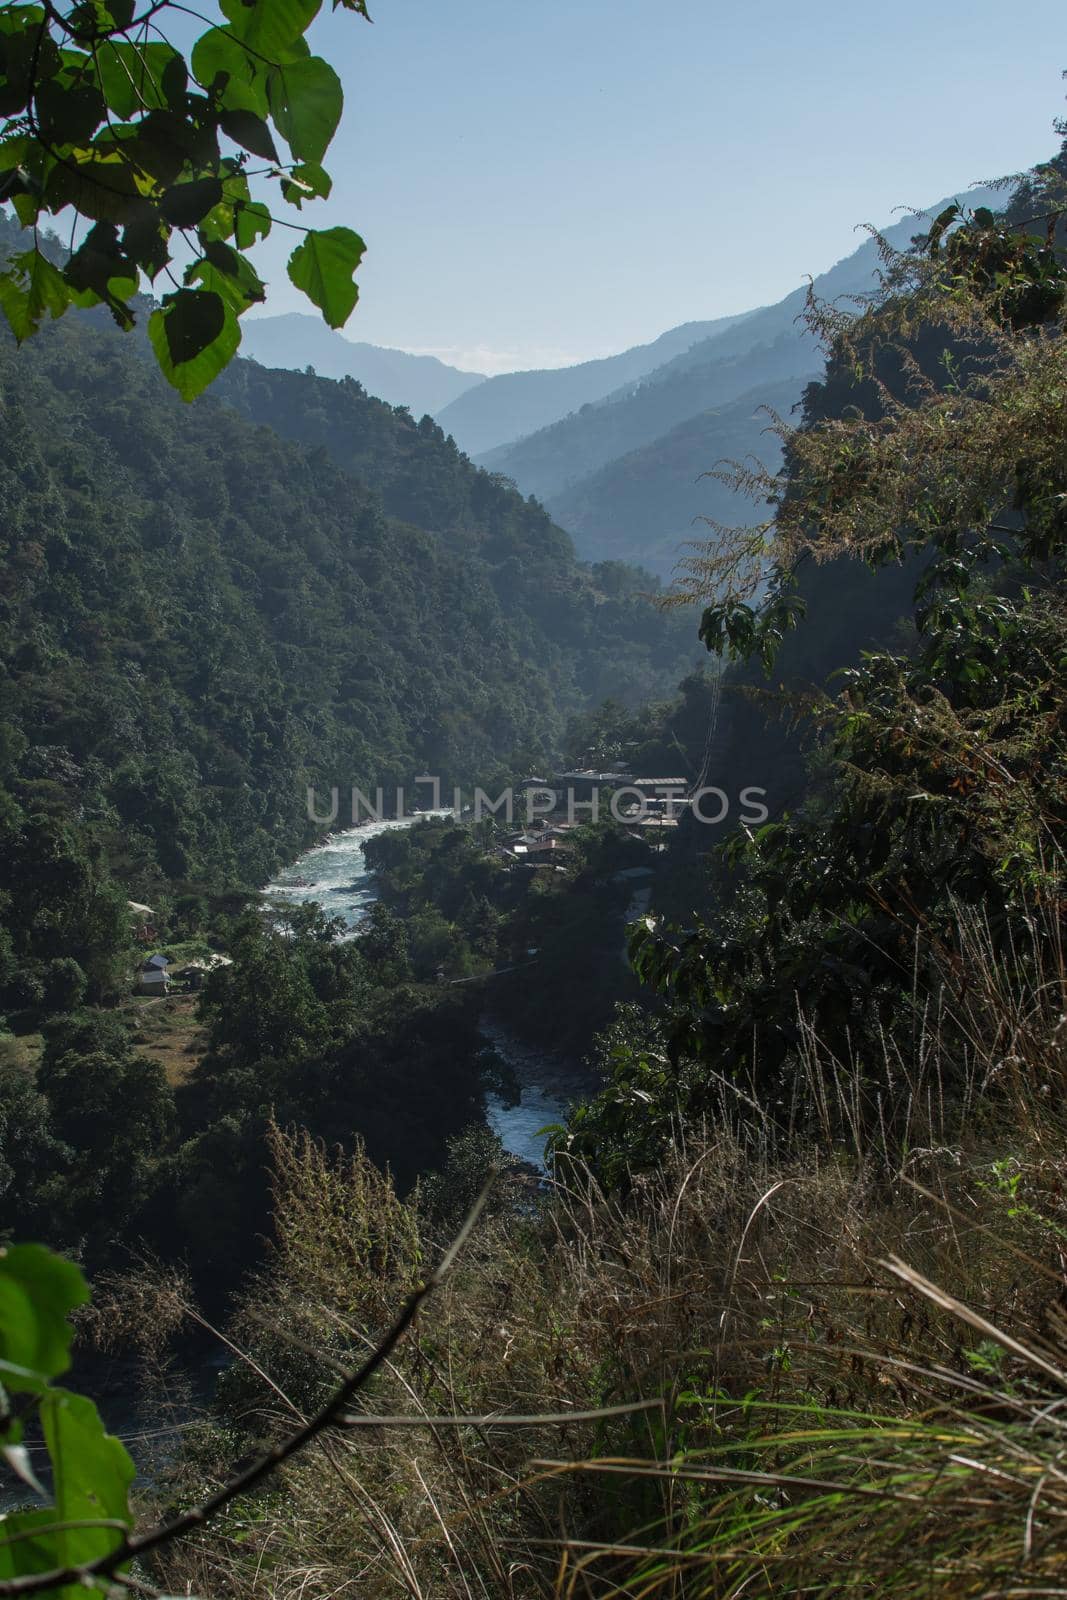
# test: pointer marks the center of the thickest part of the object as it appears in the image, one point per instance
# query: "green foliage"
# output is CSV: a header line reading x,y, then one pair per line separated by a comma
x,y
151,148
201,620
325,1035
935,446
639,1111
86,1512
160,665
323,266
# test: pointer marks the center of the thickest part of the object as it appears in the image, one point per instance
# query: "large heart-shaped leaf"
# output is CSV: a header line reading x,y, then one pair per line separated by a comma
x,y
306,101
220,61
270,27
324,267
194,335
38,1291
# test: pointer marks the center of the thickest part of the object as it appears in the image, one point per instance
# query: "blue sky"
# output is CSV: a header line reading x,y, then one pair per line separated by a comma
x,y
545,182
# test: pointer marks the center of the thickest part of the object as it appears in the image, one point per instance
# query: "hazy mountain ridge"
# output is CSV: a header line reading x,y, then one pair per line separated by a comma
x,y
679,420
711,370
557,459
295,340
651,500
513,404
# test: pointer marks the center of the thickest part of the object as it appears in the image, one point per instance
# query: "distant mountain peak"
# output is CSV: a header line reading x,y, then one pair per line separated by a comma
x,y
296,340
512,404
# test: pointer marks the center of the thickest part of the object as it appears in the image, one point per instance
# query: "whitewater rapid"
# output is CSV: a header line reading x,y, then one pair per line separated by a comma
x,y
336,875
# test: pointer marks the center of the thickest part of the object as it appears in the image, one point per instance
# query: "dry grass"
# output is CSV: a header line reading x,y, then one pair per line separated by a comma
x,y
167,1030
853,1349
21,1051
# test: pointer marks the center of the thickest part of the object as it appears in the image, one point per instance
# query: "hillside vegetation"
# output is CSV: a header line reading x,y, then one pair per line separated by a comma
x,y
206,609
203,618
791,1317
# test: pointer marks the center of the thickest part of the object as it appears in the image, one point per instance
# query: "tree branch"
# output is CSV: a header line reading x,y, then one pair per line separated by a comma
x,y
332,1414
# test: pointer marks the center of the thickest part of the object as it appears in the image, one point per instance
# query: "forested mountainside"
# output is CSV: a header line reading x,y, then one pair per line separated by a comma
x,y
646,504
201,618
590,467
297,340
790,1319
561,456
517,403
202,615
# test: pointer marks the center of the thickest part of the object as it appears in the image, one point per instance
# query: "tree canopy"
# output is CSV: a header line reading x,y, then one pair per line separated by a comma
x,y
163,161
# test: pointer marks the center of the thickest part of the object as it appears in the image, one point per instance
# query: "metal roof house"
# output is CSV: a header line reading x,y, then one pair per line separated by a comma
x,y
154,976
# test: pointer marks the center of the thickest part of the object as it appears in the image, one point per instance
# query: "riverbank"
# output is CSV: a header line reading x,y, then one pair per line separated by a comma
x,y
335,875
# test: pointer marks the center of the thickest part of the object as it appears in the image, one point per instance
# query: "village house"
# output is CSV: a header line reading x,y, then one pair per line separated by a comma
x,y
154,976
192,975
142,916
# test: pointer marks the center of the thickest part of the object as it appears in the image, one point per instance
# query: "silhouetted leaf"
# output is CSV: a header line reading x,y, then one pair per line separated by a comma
x,y
194,336
184,204
250,132
252,221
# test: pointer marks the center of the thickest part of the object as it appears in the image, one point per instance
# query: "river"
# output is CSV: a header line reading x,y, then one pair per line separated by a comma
x,y
337,876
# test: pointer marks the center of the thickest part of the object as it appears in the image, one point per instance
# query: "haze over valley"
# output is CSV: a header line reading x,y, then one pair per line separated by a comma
x,y
619,449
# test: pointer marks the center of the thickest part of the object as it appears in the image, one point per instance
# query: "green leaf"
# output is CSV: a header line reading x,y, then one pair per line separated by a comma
x,y
91,1474
92,18
16,19
250,132
225,272
28,1545
25,56
33,288
136,77
184,204
222,64
145,240
165,143
38,1291
324,267
174,83
68,113
252,221
194,336
91,1477
306,100
306,182
98,188
270,27
97,259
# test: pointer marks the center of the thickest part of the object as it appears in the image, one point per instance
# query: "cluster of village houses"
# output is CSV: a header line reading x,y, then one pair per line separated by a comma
x,y
157,974
553,808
